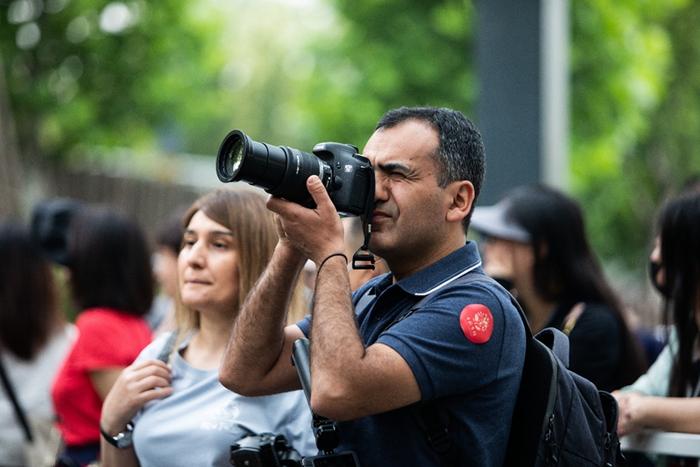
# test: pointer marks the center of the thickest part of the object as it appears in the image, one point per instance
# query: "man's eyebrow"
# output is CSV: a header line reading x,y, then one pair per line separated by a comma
x,y
393,167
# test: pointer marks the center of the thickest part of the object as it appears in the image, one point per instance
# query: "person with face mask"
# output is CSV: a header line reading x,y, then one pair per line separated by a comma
x,y
536,246
665,398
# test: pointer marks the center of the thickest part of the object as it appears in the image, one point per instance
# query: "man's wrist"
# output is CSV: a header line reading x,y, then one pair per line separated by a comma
x,y
339,256
289,254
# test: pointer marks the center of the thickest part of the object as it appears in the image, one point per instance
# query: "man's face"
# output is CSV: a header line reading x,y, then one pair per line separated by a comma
x,y
410,207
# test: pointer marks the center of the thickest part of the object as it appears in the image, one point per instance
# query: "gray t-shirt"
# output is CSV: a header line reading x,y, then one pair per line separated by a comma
x,y
198,423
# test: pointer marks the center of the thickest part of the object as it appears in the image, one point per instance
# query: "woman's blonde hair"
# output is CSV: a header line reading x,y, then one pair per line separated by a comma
x,y
243,212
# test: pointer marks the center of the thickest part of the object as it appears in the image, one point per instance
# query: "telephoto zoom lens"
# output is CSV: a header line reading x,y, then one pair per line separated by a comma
x,y
280,170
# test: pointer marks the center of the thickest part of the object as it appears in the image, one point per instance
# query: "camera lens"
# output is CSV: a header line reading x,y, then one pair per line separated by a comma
x,y
233,159
231,154
280,170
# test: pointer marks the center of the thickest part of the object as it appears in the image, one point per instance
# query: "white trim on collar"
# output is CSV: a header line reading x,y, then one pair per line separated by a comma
x,y
446,282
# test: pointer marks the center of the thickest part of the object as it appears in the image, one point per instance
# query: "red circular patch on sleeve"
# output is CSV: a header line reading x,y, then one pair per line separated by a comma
x,y
476,322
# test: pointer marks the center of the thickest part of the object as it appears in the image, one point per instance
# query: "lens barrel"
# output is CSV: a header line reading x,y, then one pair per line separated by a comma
x,y
280,170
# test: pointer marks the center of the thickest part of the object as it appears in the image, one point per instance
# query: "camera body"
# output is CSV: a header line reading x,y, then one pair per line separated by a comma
x,y
264,450
282,171
269,450
351,177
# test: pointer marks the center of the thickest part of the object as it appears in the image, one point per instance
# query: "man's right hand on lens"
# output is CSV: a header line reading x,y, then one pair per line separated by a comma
x,y
315,233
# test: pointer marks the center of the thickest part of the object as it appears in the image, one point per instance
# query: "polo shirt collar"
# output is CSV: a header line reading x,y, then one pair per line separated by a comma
x,y
443,272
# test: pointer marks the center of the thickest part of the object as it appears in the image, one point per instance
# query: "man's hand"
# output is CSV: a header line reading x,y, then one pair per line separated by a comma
x,y
138,384
315,233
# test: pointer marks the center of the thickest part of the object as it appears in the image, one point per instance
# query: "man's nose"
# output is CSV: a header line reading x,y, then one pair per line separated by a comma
x,y
381,192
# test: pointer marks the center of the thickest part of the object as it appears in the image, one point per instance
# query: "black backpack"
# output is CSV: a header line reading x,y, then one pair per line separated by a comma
x,y
560,418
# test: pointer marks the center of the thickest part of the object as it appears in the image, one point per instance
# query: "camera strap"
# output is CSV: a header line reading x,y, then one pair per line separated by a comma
x,y
363,258
14,400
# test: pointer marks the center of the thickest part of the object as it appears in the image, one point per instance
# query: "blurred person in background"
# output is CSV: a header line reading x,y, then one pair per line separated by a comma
x,y
168,239
666,397
179,414
536,242
34,339
112,284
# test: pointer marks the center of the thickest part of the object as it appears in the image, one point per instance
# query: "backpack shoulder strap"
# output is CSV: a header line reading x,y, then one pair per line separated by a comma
x,y
19,413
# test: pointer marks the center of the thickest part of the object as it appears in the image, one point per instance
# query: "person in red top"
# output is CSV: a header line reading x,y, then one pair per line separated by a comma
x,y
111,282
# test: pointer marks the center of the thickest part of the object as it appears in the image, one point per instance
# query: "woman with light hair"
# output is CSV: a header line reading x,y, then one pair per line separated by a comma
x,y
177,413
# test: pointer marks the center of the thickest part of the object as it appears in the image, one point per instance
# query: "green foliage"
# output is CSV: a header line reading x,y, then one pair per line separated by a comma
x,y
183,73
635,116
388,54
82,84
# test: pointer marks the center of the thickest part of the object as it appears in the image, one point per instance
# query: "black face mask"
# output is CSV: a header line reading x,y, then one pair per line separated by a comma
x,y
654,268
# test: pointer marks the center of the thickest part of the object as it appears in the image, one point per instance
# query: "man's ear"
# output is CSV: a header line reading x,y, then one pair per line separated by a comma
x,y
461,197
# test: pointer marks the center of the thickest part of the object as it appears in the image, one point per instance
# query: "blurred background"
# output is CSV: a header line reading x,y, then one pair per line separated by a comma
x,y
126,102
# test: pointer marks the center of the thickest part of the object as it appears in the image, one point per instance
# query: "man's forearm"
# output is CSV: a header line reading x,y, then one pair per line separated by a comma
x,y
257,339
336,346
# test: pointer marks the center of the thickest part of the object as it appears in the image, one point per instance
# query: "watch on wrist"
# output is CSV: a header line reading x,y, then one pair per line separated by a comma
x,y
121,440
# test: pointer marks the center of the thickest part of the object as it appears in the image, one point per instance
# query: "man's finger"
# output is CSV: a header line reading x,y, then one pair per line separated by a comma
x,y
279,205
318,192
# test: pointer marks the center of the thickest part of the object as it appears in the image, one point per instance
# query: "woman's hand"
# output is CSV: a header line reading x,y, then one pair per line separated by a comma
x,y
138,384
631,406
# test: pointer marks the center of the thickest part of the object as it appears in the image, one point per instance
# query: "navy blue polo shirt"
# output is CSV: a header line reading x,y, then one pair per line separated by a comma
x,y
474,382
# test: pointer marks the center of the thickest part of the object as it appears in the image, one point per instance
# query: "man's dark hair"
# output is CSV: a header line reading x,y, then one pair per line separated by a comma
x,y
28,311
109,262
460,153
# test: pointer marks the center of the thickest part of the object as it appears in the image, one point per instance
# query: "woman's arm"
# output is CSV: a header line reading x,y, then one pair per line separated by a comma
x,y
138,384
678,414
113,456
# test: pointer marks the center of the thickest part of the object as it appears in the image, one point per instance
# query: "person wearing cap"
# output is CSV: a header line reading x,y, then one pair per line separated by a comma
x,y
424,337
536,241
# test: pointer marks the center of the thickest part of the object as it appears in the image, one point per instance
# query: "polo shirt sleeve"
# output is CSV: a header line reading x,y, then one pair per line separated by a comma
x,y
443,359
305,323
103,342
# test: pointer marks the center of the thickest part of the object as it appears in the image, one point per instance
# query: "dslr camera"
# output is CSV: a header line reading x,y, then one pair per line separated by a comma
x,y
282,171
269,450
264,450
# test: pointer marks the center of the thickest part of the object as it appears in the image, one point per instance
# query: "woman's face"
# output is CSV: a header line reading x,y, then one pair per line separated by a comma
x,y
659,273
505,259
208,265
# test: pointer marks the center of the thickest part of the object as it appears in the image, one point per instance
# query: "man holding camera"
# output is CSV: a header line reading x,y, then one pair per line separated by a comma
x,y
418,353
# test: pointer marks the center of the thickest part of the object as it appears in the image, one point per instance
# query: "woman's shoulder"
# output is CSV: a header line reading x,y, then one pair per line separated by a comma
x,y
599,311
596,319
